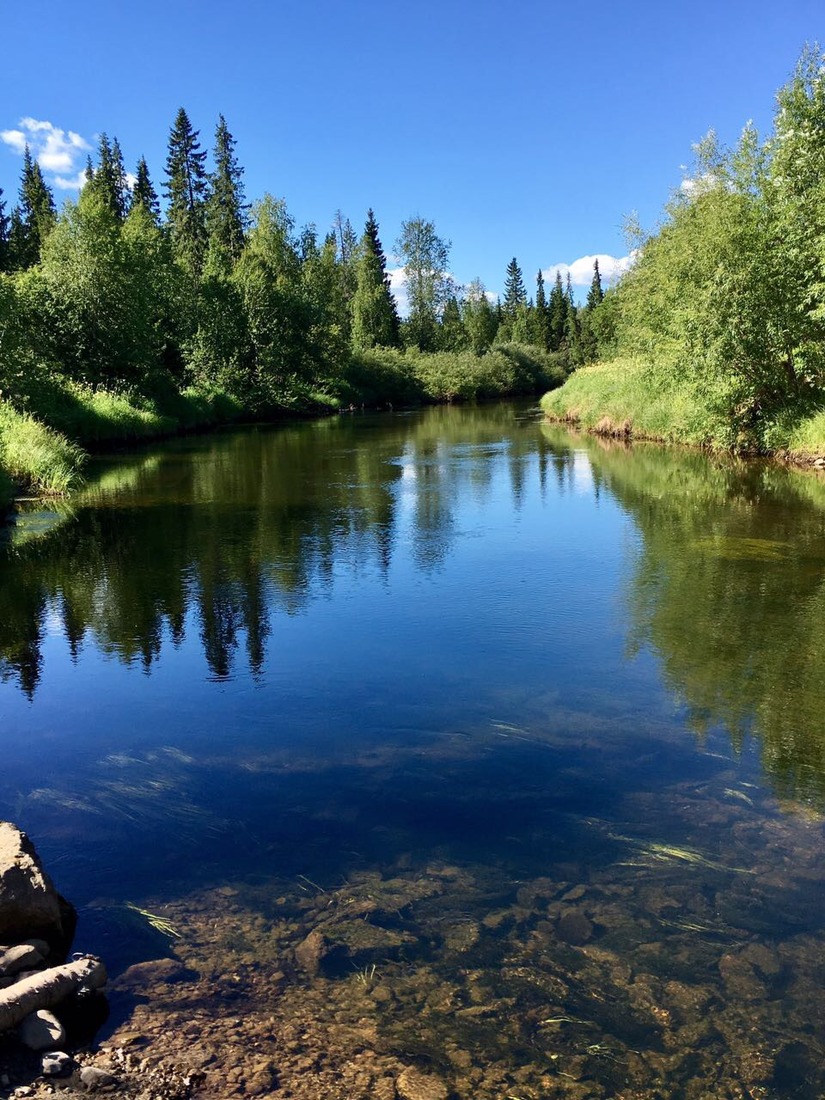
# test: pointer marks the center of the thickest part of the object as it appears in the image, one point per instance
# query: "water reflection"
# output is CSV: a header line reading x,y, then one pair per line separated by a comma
x,y
728,589
241,529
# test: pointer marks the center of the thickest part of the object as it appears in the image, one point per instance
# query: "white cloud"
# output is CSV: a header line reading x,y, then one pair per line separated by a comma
x,y
70,183
581,270
58,152
398,286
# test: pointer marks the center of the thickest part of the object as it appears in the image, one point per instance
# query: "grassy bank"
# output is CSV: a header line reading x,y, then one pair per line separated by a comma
x,y
46,435
628,397
43,449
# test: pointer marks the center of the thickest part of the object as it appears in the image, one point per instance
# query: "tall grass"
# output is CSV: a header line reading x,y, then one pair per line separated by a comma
x,y
630,397
627,397
35,456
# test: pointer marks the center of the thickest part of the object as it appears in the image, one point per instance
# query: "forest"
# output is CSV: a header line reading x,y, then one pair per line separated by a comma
x,y
130,313
716,335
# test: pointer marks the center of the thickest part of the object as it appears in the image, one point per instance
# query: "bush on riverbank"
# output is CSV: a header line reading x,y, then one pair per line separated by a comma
x,y
384,375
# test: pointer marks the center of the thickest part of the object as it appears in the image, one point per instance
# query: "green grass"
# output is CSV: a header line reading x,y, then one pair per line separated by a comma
x,y
627,397
34,456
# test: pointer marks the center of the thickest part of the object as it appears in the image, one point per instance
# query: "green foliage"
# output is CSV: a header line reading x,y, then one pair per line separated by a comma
x,y
479,317
33,218
425,256
144,193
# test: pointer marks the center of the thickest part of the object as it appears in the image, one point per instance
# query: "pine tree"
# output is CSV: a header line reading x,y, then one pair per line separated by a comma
x,y
515,296
595,295
558,314
5,226
108,180
186,191
227,216
143,193
541,316
375,321
34,217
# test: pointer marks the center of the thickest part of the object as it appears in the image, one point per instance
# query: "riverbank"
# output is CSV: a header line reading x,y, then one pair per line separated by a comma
x,y
43,450
626,397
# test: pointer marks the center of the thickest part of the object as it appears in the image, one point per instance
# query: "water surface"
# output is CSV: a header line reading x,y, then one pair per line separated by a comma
x,y
524,731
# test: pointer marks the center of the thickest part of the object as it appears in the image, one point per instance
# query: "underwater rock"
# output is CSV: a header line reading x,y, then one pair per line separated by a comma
x,y
574,928
310,952
29,903
414,1085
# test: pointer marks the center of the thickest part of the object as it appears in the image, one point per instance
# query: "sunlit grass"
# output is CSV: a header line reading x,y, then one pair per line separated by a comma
x,y
35,456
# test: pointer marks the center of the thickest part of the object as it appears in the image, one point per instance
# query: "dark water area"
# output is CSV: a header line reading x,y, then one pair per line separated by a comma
x,y
446,743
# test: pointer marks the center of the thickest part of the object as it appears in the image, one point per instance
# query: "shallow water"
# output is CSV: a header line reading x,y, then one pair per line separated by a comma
x,y
449,743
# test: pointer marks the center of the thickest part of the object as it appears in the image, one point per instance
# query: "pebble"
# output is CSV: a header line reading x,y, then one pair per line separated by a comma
x,y
42,1030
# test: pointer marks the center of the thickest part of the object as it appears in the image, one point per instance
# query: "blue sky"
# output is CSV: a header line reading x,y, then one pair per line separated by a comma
x,y
522,129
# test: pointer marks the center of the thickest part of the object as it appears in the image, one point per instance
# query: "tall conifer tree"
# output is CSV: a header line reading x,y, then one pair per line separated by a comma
x,y
144,193
186,191
34,217
595,294
108,180
375,321
226,209
515,296
5,226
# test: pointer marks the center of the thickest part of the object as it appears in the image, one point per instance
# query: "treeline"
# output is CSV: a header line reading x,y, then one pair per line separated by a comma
x,y
719,328
204,293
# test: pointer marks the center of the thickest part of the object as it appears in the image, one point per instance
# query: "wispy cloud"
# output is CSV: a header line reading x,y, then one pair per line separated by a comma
x,y
58,152
581,270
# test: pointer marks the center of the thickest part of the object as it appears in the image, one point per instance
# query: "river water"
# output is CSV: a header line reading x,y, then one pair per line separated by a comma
x,y
443,750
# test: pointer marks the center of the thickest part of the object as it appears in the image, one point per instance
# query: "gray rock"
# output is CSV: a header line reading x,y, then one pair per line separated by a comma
x,y
23,956
56,1064
41,1030
93,1078
29,903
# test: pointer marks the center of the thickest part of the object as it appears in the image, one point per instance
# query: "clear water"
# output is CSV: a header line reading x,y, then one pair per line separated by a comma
x,y
528,728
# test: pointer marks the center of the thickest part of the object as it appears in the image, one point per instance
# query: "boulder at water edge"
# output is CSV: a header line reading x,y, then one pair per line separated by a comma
x,y
29,904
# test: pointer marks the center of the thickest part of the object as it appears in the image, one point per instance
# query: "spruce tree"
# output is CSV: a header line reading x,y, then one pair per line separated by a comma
x,y
143,192
5,226
34,217
541,316
226,209
186,191
558,314
108,180
515,296
375,321
595,294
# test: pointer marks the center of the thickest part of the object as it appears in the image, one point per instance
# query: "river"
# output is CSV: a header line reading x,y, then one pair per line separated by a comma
x,y
445,743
